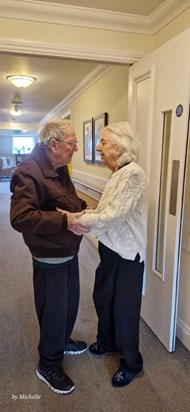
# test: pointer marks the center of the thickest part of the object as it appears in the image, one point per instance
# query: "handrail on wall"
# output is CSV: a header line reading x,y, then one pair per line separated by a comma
x,y
85,186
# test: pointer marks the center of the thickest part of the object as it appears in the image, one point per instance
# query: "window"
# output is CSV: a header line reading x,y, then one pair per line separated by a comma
x,y
22,145
161,228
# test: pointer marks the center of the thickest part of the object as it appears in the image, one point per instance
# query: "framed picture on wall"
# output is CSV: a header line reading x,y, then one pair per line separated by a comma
x,y
87,141
98,123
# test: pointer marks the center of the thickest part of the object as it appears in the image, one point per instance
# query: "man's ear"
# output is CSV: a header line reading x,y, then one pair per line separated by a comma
x,y
53,145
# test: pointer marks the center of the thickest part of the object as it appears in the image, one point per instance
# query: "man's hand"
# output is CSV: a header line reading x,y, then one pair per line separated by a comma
x,y
73,222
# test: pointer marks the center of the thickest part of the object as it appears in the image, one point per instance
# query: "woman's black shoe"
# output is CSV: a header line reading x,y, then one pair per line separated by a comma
x,y
122,377
97,350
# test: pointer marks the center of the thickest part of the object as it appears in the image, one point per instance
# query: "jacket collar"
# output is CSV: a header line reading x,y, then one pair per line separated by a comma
x,y
39,154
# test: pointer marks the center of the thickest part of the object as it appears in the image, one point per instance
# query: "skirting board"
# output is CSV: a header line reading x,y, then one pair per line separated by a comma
x,y
183,333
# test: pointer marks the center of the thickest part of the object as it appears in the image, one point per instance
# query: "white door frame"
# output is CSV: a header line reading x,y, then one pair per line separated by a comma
x,y
169,77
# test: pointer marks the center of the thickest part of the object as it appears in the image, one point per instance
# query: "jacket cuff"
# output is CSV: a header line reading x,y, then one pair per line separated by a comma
x,y
83,204
64,221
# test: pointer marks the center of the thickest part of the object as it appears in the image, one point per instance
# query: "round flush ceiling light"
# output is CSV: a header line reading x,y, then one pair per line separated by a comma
x,y
21,80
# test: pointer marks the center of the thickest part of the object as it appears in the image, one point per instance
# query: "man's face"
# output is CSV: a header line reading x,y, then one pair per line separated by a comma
x,y
63,151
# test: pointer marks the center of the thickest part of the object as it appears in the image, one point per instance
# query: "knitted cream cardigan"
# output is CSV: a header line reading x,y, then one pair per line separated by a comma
x,y
120,220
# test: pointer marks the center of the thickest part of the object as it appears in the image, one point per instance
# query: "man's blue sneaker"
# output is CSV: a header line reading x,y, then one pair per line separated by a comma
x,y
75,347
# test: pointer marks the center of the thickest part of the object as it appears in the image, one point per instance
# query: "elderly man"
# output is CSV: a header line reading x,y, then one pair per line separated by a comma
x,y
39,186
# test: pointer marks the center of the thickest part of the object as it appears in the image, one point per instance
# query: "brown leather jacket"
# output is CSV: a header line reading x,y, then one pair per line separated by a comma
x,y
37,190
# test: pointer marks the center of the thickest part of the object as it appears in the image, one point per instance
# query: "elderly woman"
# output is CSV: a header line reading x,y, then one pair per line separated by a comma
x,y
120,223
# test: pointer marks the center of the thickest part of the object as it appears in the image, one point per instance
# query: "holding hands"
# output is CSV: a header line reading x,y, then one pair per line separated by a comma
x,y
73,222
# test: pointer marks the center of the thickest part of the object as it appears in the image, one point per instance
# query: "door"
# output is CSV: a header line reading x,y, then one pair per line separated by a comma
x,y
159,96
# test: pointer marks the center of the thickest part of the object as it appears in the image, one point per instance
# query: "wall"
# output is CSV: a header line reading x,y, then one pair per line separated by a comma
x,y
6,149
172,29
5,145
109,94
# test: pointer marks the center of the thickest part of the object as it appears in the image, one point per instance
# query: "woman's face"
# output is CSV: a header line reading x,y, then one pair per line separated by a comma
x,y
108,151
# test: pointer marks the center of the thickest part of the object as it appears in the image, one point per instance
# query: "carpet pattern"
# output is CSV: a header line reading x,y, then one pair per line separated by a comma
x,y
165,386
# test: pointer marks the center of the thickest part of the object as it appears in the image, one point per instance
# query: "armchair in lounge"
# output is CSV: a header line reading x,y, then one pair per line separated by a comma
x,y
5,168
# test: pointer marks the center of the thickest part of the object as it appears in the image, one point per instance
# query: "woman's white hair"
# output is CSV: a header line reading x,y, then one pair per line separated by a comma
x,y
54,129
122,134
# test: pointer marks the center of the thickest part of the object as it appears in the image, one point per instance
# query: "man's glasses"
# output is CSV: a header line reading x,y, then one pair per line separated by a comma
x,y
72,144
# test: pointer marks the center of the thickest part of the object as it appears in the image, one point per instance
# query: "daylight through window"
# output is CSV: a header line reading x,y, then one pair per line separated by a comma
x,y
22,145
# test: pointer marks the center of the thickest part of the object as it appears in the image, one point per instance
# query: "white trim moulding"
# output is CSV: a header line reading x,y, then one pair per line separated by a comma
x,y
76,52
92,18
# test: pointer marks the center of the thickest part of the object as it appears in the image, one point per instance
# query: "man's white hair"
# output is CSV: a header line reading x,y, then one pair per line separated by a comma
x,y
54,129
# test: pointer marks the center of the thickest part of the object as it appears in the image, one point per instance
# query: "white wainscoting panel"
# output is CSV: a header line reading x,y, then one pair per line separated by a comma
x,y
90,180
183,333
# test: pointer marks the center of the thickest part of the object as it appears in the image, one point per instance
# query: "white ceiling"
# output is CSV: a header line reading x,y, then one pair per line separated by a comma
x,y
56,77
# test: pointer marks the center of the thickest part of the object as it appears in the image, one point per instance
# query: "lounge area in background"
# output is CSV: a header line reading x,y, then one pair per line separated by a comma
x,y
6,168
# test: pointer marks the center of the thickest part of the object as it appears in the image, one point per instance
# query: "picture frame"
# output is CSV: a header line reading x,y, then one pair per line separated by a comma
x,y
88,141
99,122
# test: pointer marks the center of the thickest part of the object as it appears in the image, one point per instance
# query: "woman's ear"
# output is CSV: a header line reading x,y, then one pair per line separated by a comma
x,y
118,151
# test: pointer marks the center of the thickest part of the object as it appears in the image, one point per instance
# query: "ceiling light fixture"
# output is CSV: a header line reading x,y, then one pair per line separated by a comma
x,y
16,107
13,122
21,80
16,112
17,100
